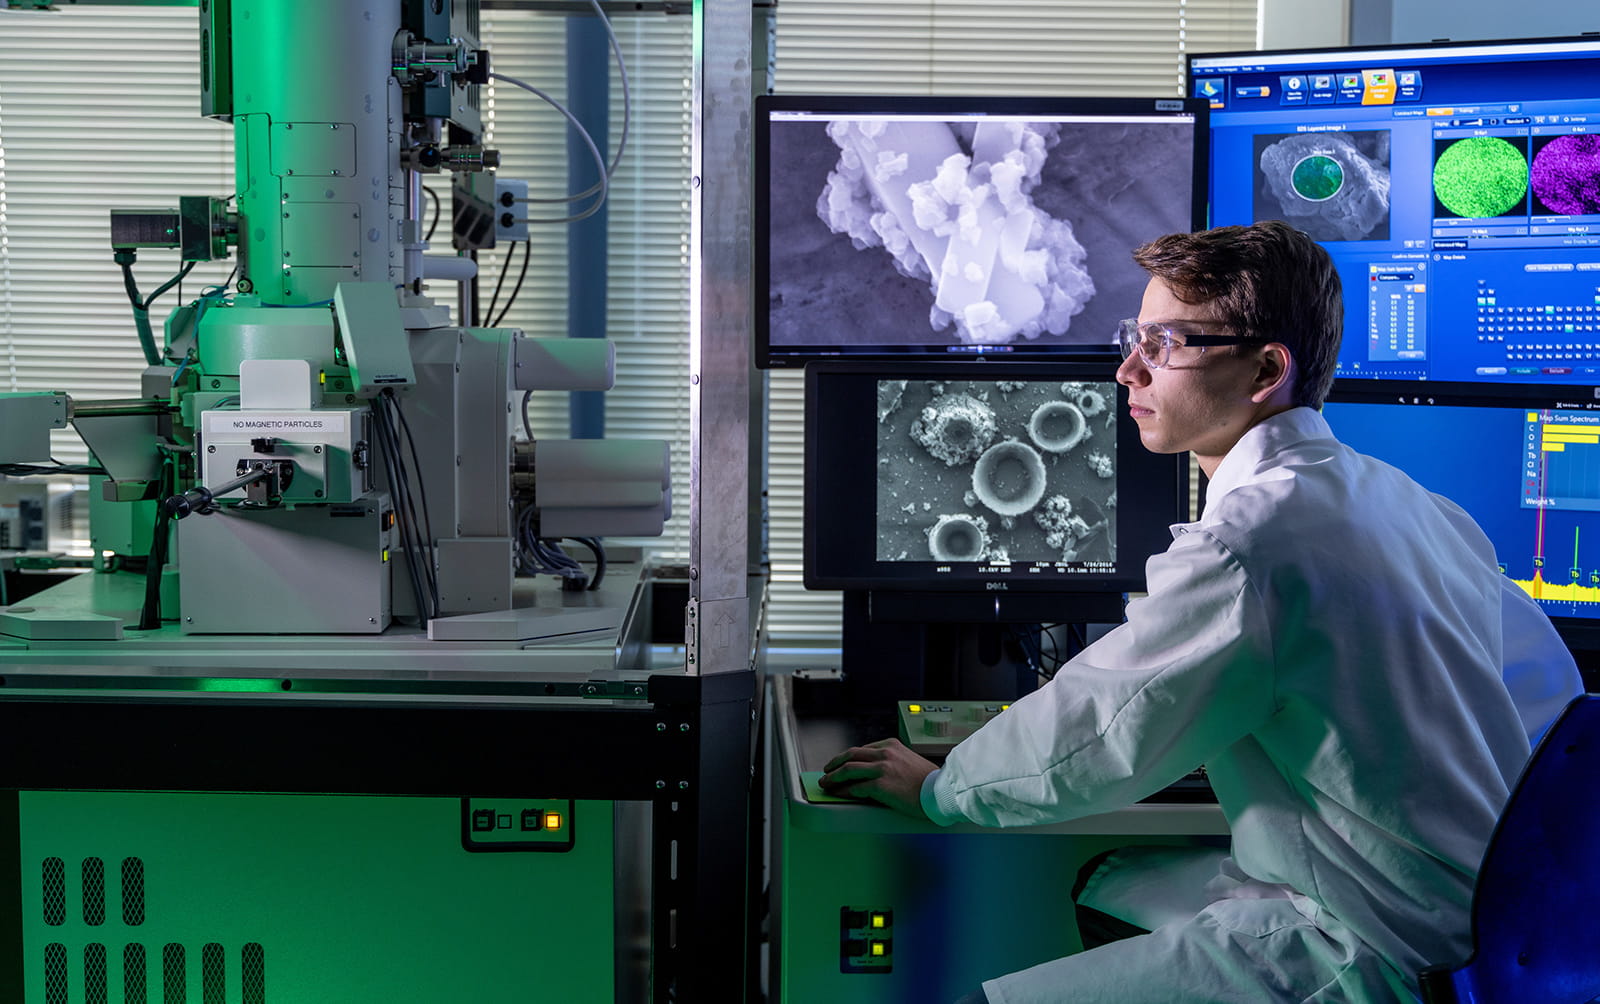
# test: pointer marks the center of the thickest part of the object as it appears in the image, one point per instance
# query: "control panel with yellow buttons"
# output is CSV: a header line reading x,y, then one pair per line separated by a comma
x,y
932,728
866,940
516,824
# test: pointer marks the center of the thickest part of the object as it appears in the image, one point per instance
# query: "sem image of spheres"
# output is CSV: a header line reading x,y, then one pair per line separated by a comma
x,y
1565,176
996,471
1334,185
891,231
1481,176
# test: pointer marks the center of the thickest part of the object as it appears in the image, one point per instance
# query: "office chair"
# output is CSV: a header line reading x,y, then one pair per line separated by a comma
x,y
1536,905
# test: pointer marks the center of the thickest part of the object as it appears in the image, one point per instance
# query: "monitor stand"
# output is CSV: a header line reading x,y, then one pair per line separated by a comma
x,y
885,661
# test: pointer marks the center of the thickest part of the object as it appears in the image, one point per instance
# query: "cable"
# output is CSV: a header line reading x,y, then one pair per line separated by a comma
x,y
388,455
24,470
150,612
438,210
599,552
603,187
505,269
141,306
527,426
527,252
422,490
627,115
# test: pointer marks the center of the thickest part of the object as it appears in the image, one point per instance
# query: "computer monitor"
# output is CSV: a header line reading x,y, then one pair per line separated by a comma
x,y
1526,468
986,491
1457,186
946,228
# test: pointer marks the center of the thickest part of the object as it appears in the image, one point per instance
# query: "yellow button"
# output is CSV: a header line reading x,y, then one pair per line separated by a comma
x,y
915,709
552,820
877,920
877,948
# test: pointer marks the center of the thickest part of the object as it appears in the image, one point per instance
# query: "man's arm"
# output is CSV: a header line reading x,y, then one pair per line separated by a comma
x,y
1189,674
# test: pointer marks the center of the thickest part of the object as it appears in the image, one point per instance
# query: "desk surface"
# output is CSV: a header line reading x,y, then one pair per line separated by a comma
x,y
803,744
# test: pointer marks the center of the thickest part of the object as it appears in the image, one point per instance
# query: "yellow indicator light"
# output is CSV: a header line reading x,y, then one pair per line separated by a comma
x,y
915,709
386,554
552,820
1004,707
877,920
322,377
877,949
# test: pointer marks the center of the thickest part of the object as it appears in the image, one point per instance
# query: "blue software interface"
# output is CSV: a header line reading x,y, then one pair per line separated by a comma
x,y
1530,476
1457,187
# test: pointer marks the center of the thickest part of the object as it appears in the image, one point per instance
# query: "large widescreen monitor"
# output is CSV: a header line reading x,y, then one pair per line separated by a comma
x,y
949,228
993,484
1457,186
1527,470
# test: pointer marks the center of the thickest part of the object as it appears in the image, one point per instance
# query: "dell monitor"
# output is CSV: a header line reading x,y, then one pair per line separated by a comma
x,y
983,491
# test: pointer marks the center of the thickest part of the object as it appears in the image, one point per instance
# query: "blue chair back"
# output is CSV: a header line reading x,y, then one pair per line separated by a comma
x,y
1536,904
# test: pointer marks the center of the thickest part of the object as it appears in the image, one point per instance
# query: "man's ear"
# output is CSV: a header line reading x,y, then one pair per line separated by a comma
x,y
1274,376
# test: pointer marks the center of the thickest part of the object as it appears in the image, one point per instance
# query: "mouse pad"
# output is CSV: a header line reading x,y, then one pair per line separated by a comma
x,y
816,794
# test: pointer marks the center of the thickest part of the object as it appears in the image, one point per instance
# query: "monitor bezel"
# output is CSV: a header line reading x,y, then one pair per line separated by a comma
x,y
766,356
836,462
1529,47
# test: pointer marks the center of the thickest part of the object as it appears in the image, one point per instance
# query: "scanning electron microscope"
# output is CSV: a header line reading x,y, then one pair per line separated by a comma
x,y
305,719
320,449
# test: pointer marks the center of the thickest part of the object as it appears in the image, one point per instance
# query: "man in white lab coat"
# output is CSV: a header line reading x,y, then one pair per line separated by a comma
x,y
1336,645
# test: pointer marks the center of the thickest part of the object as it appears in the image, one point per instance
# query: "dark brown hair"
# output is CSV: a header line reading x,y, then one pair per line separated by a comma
x,y
1268,282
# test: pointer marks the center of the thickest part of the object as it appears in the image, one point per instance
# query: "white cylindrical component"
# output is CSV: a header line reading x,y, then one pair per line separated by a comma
x,y
565,364
599,487
449,267
1009,478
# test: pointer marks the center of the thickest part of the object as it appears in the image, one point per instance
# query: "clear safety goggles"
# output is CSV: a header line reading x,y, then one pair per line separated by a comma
x,y
1155,340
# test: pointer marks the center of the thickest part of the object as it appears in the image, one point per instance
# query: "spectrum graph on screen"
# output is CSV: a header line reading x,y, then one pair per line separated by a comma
x,y
1530,476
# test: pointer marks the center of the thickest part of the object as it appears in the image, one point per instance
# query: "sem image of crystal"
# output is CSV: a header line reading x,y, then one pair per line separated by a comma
x,y
895,231
960,216
940,496
1334,185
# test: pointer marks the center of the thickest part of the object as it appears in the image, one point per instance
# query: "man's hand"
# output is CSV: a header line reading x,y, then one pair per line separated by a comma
x,y
884,771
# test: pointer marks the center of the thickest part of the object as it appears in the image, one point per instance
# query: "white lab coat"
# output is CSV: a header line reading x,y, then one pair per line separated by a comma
x,y
1339,649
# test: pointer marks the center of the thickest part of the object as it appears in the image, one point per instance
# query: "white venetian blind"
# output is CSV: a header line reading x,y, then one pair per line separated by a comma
x,y
1055,47
98,110
647,308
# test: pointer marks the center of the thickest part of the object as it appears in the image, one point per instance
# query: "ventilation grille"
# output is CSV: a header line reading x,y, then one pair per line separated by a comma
x,y
98,984
134,964
55,892
132,892
55,974
255,974
213,983
174,975
94,974
94,892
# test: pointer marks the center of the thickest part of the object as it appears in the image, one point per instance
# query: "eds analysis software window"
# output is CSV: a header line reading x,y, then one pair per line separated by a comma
x,y
1457,187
